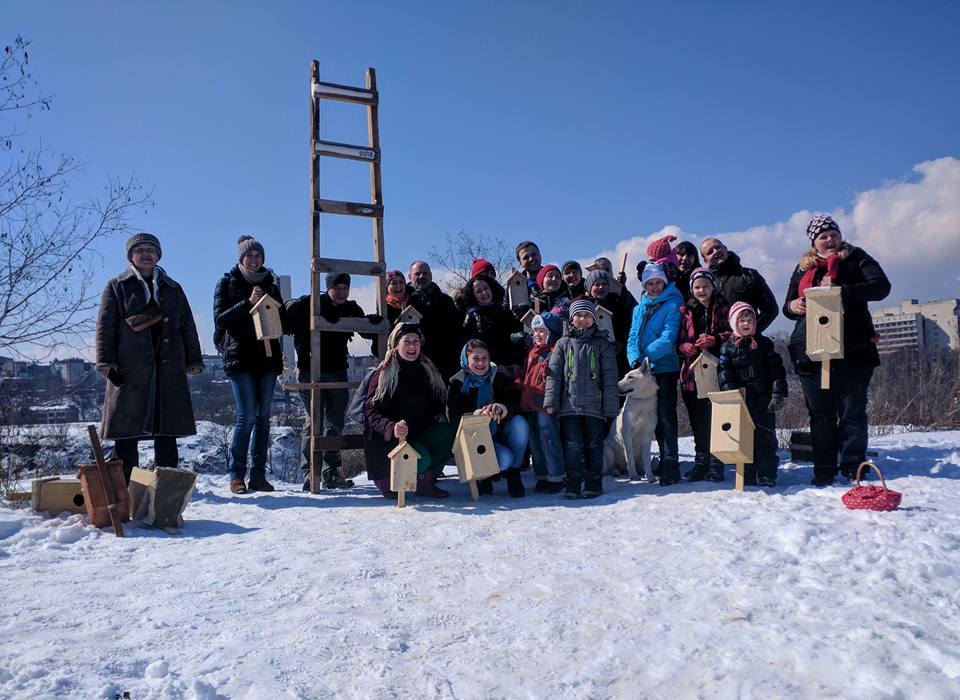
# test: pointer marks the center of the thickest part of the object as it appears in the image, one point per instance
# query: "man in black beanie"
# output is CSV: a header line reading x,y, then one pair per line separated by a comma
x,y
334,305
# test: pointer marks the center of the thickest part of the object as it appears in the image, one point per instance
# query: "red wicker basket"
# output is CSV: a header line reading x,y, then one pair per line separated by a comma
x,y
871,497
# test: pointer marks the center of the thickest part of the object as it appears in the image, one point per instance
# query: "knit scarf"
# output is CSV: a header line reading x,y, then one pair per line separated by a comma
x,y
398,301
483,385
254,278
822,267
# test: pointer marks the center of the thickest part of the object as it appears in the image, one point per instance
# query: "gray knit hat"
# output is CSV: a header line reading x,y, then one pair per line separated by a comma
x,y
248,244
819,224
594,276
140,238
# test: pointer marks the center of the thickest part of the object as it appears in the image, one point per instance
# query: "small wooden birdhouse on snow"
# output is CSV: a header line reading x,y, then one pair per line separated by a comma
x,y
731,430
403,470
824,328
266,321
410,315
605,322
473,451
705,374
517,291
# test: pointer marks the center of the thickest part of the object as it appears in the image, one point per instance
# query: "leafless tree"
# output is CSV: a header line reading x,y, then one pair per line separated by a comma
x,y
462,248
48,241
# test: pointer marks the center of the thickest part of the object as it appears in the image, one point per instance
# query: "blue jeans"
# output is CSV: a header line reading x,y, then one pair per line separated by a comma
x,y
668,427
253,394
510,442
545,446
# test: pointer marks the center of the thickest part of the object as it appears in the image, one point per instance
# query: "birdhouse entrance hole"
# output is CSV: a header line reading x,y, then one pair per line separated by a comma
x,y
725,427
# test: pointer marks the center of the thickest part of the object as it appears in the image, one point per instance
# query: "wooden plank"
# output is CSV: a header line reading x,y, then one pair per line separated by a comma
x,y
333,206
351,325
344,93
316,290
334,149
337,442
305,386
371,268
376,197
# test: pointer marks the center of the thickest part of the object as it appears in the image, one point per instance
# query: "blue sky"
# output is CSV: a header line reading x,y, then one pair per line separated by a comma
x,y
580,125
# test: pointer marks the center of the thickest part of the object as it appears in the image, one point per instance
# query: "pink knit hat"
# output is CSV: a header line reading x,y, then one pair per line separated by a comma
x,y
739,308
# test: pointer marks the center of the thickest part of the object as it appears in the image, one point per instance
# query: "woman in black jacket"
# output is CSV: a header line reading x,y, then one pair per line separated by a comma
x,y
838,415
488,320
252,374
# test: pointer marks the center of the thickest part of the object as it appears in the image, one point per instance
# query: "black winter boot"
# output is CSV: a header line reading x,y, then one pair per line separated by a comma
x,y
514,483
699,470
714,470
485,486
669,472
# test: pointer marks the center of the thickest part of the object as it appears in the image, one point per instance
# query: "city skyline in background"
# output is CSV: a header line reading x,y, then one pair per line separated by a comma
x,y
590,130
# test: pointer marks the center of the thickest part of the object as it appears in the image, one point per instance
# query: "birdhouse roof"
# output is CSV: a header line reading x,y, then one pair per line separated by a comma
x,y
604,310
401,448
410,315
708,357
515,273
528,317
265,299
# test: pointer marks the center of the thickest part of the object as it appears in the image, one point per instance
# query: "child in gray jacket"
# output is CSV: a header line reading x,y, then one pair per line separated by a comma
x,y
582,389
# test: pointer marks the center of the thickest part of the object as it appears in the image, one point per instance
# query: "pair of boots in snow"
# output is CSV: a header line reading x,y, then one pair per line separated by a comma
x,y
705,467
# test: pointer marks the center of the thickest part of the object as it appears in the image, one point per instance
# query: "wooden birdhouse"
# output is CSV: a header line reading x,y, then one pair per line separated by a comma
x,y
527,320
517,291
705,374
731,430
605,322
266,321
55,495
159,496
473,451
403,470
824,327
410,315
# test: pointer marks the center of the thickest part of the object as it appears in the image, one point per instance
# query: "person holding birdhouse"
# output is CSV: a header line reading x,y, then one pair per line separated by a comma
x,y
335,304
406,401
838,414
703,328
481,387
146,344
749,361
486,318
552,290
251,370
653,335
582,390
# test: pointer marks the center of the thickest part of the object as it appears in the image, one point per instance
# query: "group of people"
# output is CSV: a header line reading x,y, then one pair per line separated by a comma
x,y
537,365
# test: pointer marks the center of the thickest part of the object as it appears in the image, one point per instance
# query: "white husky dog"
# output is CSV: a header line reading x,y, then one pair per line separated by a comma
x,y
629,444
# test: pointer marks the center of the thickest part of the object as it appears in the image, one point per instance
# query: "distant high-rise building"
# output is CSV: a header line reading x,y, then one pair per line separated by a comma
x,y
931,327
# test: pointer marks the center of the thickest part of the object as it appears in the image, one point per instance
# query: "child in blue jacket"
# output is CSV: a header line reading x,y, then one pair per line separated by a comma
x,y
653,335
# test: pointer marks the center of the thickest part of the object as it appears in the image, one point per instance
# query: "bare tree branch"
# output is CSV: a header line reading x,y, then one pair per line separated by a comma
x,y
462,248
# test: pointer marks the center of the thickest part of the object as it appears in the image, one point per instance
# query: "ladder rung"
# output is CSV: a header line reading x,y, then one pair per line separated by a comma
x,y
351,325
346,150
340,442
303,386
344,93
332,206
371,268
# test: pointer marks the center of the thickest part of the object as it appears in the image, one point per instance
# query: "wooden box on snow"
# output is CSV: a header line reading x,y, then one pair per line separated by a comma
x,y
517,291
403,470
159,496
731,428
705,374
55,495
473,449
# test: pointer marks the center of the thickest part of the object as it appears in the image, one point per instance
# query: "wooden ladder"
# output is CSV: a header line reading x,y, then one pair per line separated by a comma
x,y
319,265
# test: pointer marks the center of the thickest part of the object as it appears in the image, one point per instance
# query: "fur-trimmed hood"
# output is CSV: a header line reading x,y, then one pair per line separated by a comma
x,y
809,258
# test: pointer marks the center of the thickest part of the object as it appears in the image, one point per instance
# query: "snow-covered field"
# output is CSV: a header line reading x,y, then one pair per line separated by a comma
x,y
689,591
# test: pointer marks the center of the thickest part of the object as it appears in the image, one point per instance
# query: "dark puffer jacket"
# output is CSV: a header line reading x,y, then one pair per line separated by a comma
x,y
333,344
493,324
738,283
861,280
582,378
441,328
235,335
758,370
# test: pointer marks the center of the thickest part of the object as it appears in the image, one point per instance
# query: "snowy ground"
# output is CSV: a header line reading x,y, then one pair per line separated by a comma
x,y
689,591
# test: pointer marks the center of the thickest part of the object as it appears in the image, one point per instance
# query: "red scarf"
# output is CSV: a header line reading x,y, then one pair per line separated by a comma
x,y
399,302
813,276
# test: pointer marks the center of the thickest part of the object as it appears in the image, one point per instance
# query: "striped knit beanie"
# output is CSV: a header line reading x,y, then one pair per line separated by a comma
x,y
582,304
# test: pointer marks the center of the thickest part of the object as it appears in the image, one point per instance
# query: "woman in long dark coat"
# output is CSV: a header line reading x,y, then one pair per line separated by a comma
x,y
146,345
838,415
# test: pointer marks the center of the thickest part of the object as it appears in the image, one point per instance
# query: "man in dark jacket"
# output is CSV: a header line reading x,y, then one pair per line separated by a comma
x,y
441,321
146,345
334,305
738,283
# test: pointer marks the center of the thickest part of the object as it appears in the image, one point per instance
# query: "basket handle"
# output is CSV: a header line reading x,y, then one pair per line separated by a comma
x,y
876,469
